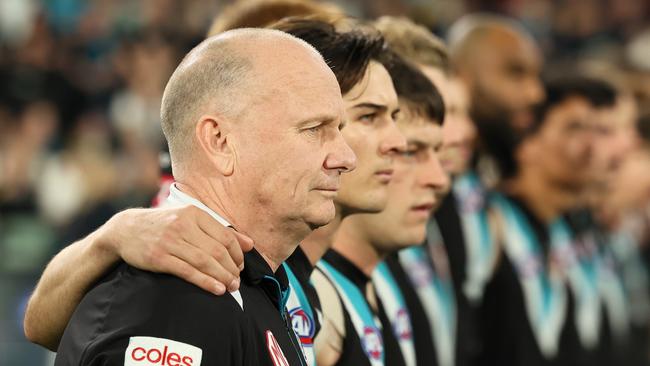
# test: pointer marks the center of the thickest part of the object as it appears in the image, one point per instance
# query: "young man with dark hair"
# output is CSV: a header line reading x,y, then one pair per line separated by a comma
x,y
526,312
458,234
600,327
364,328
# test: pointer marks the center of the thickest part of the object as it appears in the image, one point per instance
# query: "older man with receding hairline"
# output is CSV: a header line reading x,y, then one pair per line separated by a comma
x,y
252,120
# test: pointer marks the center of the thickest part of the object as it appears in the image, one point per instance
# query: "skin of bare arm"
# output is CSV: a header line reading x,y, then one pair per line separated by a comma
x,y
183,241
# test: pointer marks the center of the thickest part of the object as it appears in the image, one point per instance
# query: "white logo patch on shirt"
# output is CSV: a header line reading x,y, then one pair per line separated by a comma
x,y
277,356
152,351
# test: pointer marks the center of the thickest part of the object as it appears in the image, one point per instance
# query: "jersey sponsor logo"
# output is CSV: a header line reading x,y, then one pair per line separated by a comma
x,y
421,273
402,325
372,343
303,325
277,356
152,351
473,201
529,266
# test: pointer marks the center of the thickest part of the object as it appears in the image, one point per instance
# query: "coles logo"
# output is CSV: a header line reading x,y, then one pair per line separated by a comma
x,y
277,356
402,325
372,343
152,351
303,325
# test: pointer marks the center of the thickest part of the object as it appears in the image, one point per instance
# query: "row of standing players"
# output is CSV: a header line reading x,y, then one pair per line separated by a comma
x,y
492,284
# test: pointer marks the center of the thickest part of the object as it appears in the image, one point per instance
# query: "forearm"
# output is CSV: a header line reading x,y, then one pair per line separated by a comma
x,y
328,344
62,286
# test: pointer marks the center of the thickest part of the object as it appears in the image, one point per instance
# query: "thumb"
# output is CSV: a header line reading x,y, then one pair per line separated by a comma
x,y
245,242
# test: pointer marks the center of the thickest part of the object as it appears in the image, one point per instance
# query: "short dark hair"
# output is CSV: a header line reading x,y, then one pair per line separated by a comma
x,y
596,92
414,89
347,53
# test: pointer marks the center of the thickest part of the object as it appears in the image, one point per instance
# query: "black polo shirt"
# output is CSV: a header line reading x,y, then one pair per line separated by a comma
x,y
353,352
630,348
468,337
133,317
505,326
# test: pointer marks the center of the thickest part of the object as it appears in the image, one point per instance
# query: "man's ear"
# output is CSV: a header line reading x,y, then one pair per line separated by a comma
x,y
212,134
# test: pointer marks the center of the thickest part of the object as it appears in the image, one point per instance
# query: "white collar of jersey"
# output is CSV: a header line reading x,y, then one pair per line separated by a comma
x,y
176,198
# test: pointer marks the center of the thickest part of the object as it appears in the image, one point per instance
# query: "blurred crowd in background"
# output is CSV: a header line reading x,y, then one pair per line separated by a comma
x,y
80,97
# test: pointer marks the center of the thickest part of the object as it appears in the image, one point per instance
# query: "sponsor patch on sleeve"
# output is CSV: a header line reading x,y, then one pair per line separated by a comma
x,y
152,351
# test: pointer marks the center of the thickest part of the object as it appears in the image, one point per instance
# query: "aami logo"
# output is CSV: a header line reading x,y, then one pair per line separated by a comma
x,y
277,356
303,325
151,351
372,343
402,325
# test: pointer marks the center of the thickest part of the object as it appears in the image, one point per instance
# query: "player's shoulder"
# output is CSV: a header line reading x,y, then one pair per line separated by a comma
x,y
167,294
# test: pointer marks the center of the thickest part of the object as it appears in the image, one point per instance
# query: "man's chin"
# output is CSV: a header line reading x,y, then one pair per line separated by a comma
x,y
367,202
522,120
414,238
321,216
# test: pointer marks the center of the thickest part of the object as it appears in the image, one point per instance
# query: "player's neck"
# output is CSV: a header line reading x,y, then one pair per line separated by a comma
x,y
351,243
544,199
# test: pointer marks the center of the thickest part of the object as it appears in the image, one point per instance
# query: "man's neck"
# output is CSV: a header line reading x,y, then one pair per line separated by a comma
x,y
352,244
546,200
275,241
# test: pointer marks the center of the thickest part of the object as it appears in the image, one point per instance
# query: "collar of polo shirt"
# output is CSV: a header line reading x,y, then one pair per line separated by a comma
x,y
256,271
177,198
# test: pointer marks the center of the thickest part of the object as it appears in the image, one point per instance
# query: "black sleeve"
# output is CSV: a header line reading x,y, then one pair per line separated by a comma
x,y
141,318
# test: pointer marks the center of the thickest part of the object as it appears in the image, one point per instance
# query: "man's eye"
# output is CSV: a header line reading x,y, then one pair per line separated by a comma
x,y
370,117
409,153
314,129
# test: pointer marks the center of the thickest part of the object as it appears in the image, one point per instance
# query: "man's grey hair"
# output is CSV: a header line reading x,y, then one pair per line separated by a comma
x,y
214,77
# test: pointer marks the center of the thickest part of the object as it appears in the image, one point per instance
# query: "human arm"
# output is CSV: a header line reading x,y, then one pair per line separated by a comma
x,y
328,344
183,241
